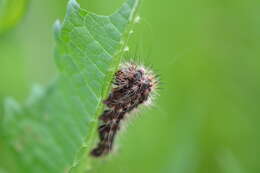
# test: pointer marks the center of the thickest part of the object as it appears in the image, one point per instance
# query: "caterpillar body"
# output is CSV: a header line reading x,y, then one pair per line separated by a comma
x,y
133,86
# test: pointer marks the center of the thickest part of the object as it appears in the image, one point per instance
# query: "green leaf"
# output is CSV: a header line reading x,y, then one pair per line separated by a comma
x,y
55,129
11,11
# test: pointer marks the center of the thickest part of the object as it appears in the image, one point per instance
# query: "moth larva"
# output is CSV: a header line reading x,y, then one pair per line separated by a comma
x,y
134,85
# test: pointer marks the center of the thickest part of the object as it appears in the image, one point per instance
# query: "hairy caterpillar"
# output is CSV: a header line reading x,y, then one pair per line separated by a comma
x,y
133,85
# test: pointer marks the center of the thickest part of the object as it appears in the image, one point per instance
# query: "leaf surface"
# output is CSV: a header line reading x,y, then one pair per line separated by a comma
x,y
55,129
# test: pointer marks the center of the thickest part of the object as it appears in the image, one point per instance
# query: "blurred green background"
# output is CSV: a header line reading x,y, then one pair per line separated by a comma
x,y
207,117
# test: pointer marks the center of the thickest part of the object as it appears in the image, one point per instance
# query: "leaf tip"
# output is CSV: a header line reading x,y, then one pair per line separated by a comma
x,y
57,28
36,93
73,4
128,9
11,107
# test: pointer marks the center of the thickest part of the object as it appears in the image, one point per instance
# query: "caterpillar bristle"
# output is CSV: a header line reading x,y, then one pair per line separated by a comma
x,y
133,85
